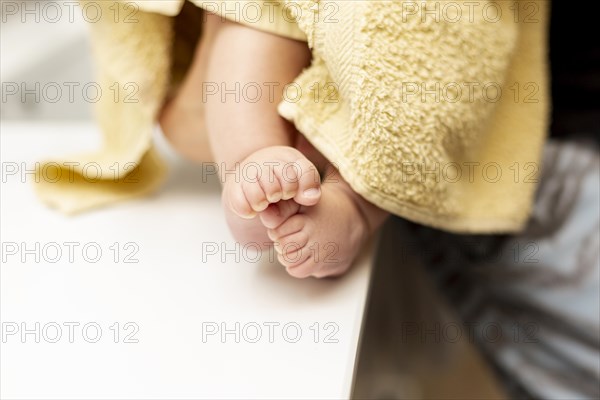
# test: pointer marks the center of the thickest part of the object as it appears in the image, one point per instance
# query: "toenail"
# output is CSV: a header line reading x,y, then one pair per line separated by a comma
x,y
250,215
262,205
274,198
313,192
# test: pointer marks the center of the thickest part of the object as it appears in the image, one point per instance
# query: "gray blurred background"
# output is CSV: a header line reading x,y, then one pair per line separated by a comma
x,y
48,51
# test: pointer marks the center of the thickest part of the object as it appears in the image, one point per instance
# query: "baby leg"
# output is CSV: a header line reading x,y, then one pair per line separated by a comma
x,y
246,130
182,118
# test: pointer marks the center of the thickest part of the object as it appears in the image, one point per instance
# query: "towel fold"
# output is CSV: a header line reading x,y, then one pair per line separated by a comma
x,y
437,119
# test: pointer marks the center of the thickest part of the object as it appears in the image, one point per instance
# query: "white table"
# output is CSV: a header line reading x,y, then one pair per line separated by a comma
x,y
167,305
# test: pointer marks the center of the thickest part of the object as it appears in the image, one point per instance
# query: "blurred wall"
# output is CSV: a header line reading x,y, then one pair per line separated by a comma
x,y
45,62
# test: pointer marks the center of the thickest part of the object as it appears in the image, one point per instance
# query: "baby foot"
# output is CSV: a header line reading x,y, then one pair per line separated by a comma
x,y
268,176
317,241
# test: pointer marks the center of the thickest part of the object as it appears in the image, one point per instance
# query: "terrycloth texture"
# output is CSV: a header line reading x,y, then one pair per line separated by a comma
x,y
402,152
399,149
128,165
270,16
148,48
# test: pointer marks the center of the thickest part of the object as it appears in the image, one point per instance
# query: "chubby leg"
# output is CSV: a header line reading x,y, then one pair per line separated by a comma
x,y
320,240
183,118
246,133
239,124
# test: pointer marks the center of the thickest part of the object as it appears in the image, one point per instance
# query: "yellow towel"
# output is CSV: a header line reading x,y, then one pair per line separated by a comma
x,y
434,111
133,56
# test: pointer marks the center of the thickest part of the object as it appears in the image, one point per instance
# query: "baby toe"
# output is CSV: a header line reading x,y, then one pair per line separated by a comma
x,y
309,184
287,176
234,197
271,186
294,224
289,245
278,213
301,269
255,195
